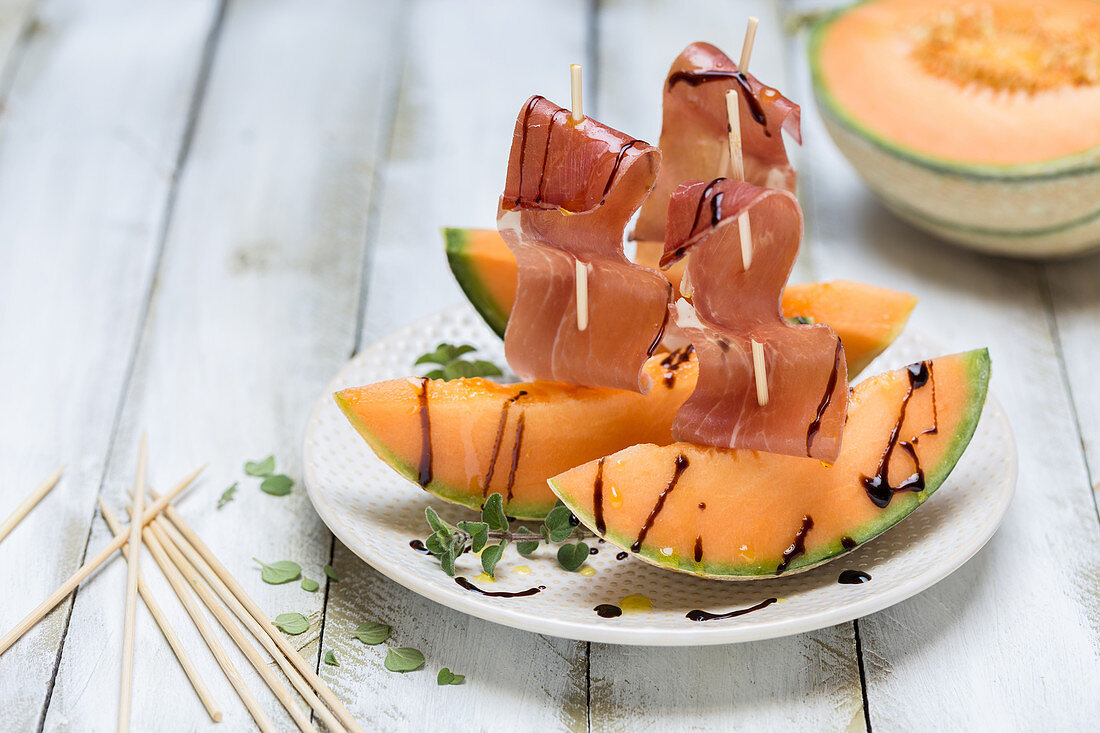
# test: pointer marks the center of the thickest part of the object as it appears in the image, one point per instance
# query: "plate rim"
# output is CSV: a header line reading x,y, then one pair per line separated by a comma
x,y
633,636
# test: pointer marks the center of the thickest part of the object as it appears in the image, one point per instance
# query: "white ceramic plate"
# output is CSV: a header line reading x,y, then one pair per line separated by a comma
x,y
376,512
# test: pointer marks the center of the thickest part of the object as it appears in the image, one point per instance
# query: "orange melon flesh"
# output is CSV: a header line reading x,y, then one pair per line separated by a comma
x,y
563,426
1000,82
867,318
743,510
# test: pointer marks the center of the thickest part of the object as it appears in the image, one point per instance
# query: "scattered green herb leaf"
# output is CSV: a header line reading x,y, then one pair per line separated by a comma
x,y
260,469
330,658
557,525
444,354
447,677
479,534
331,574
227,495
292,623
526,547
404,659
280,572
372,632
493,513
277,485
491,557
801,320
309,584
572,557
451,366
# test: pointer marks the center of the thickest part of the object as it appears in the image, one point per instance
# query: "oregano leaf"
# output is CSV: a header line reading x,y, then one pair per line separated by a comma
x,y
227,495
526,547
557,524
479,534
309,584
279,572
292,623
260,469
447,677
434,521
492,513
571,557
447,560
330,658
331,573
490,557
372,632
277,485
436,544
404,659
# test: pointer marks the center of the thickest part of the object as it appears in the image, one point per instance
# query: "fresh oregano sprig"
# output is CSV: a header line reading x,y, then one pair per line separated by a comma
x,y
493,534
450,364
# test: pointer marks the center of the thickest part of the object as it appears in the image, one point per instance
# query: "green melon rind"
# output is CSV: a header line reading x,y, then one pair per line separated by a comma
x,y
469,280
447,492
978,367
1083,163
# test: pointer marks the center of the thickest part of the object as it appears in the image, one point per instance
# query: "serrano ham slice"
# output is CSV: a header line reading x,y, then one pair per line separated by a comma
x,y
806,370
571,189
694,138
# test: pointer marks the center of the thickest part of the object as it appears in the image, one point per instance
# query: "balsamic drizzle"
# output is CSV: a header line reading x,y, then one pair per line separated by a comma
x,y
597,498
608,610
618,162
546,153
698,615
673,361
715,210
798,547
498,594
664,324
424,470
699,548
811,432
853,577
496,442
878,487
622,556
847,542
681,466
695,78
419,546
515,454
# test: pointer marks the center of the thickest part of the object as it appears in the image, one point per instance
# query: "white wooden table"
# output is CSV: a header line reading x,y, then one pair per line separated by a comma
x,y
206,207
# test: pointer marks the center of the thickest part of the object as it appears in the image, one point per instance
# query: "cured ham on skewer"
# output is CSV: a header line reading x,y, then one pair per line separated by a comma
x,y
694,129
732,307
571,189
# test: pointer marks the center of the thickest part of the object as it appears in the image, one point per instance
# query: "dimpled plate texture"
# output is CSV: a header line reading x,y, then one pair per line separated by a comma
x,y
376,512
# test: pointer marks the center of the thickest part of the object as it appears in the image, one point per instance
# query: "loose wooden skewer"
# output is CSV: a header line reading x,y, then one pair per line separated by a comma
x,y
582,268
179,586
170,635
249,623
29,503
69,585
301,719
133,567
760,373
257,613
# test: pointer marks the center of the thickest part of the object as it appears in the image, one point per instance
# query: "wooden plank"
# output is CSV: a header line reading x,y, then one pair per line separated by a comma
x,y
16,25
254,310
459,100
1012,636
810,681
88,141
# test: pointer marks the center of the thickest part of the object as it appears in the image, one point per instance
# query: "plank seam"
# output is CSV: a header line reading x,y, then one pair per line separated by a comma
x,y
198,94
30,28
1047,295
378,183
862,678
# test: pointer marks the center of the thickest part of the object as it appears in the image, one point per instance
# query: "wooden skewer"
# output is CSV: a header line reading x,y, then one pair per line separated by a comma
x,y
301,719
30,502
179,586
737,163
746,47
133,567
257,613
165,626
582,296
85,570
249,623
575,79
760,373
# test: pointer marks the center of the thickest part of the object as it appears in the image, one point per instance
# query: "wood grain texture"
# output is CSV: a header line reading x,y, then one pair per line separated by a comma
x,y
89,135
810,681
1007,640
459,99
254,310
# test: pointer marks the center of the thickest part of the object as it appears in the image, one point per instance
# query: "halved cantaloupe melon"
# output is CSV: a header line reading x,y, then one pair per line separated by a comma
x,y
977,122
867,318
483,437
742,515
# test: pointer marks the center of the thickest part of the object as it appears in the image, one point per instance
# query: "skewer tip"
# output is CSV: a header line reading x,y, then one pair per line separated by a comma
x,y
575,83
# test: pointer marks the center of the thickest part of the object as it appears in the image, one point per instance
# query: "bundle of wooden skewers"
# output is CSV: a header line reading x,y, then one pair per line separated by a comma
x,y
198,579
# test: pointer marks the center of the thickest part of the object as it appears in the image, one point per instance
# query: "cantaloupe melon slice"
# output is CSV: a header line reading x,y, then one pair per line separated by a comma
x,y
740,515
867,318
472,437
